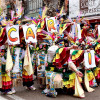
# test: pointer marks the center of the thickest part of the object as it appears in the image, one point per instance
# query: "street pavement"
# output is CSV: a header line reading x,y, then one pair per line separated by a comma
x,y
23,94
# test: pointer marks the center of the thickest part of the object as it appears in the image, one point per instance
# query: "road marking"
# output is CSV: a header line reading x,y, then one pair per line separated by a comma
x,y
15,97
2,98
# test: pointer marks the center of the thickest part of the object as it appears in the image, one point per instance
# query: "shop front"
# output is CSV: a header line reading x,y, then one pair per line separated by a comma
x,y
89,10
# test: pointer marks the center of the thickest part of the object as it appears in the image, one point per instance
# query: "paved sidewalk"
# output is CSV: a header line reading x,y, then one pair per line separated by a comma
x,y
23,94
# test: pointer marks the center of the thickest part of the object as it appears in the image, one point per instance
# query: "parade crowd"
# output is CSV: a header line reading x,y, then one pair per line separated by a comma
x,y
57,58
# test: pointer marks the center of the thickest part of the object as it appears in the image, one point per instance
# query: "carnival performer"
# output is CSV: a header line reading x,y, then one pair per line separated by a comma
x,y
88,40
87,33
97,59
16,72
54,69
27,67
41,62
89,78
5,79
28,70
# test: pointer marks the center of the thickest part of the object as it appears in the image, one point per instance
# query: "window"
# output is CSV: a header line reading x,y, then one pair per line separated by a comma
x,y
33,6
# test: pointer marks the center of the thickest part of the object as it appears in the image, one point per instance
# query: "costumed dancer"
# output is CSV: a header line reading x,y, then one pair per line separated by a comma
x,y
42,59
90,39
54,70
88,79
16,72
69,74
97,59
28,70
5,80
87,34
6,66
88,42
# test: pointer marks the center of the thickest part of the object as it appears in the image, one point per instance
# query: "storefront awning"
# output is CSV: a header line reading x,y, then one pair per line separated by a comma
x,y
92,19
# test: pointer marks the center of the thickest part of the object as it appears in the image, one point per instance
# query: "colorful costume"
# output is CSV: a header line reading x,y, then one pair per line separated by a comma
x,y
56,77
27,69
16,73
97,59
6,82
78,59
42,59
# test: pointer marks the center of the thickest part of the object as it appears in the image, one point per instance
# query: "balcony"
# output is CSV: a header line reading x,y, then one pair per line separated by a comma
x,y
33,7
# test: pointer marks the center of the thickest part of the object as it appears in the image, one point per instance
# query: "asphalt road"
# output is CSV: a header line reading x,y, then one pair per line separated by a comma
x,y
23,94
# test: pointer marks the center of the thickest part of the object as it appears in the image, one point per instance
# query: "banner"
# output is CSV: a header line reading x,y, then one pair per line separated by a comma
x,y
73,30
51,24
13,34
30,33
84,8
89,58
79,31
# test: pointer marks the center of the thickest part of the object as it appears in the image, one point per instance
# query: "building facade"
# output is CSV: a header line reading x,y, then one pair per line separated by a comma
x,y
84,8
3,9
33,6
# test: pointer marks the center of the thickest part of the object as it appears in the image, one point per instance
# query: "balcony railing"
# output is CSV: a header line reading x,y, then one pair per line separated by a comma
x,y
33,6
